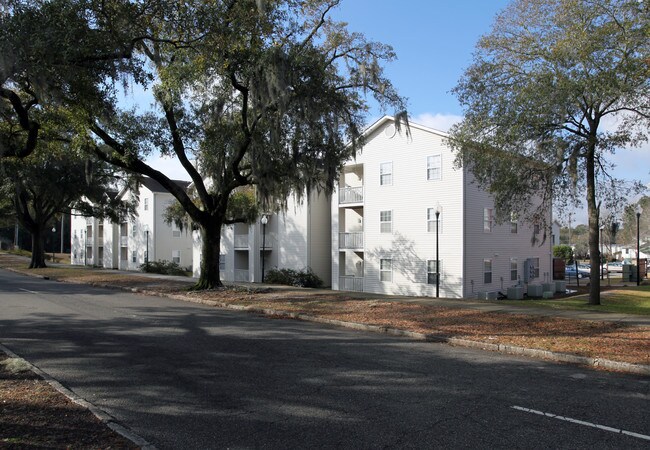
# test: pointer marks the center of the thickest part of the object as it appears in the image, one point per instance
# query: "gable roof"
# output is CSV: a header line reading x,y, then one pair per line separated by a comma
x,y
154,186
379,123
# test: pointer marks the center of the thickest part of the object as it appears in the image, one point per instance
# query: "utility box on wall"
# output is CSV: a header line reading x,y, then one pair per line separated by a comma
x,y
530,270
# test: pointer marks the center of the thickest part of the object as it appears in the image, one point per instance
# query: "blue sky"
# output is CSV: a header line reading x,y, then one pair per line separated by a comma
x,y
434,42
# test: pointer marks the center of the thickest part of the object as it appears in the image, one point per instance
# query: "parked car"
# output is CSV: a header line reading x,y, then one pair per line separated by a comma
x,y
616,266
570,272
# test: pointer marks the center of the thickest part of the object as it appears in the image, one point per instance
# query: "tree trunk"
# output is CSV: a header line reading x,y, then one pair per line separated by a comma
x,y
38,249
210,250
593,212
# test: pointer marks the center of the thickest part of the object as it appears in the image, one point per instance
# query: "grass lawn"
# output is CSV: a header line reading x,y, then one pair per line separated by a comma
x,y
627,300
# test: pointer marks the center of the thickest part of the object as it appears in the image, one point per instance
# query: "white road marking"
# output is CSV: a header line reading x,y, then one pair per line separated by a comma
x,y
582,422
27,290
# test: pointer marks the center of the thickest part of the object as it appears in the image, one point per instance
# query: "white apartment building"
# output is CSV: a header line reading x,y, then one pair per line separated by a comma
x,y
127,245
384,224
298,238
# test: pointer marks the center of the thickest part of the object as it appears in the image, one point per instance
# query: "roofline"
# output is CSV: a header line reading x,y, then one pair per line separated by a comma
x,y
417,126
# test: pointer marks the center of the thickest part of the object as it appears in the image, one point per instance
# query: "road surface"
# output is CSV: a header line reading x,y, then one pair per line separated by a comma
x,y
187,376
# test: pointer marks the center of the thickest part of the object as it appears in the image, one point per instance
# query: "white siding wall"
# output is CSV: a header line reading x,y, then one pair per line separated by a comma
x,y
499,245
165,241
410,245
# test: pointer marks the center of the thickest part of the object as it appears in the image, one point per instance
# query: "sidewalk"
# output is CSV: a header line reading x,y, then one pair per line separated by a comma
x,y
612,341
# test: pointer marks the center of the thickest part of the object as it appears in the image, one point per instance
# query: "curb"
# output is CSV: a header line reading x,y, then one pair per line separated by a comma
x,y
102,415
640,369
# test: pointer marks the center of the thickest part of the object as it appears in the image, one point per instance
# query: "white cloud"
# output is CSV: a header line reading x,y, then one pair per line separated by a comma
x,y
437,121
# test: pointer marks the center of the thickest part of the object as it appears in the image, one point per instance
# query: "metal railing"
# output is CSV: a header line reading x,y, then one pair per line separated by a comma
x,y
351,195
352,240
124,241
351,283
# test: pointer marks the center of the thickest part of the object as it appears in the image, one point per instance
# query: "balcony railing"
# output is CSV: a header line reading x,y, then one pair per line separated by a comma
x,y
124,241
351,240
351,195
241,241
100,241
241,274
351,283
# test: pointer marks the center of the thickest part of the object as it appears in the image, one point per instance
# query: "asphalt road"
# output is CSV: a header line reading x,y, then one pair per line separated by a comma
x,y
186,376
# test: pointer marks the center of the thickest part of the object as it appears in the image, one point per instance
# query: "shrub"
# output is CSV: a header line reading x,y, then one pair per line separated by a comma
x,y
290,277
164,268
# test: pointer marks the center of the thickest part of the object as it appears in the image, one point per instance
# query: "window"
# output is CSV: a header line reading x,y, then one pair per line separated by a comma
x,y
386,270
487,271
176,256
514,276
434,167
386,173
222,262
176,231
386,221
431,221
487,220
432,265
146,204
513,223
133,231
536,229
134,256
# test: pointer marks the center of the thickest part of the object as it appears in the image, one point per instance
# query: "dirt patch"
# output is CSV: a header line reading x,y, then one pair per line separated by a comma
x,y
35,415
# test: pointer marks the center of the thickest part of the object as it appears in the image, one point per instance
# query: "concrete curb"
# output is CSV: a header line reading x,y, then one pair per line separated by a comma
x,y
102,415
640,369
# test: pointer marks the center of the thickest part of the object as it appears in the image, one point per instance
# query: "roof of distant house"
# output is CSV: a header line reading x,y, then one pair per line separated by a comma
x,y
154,186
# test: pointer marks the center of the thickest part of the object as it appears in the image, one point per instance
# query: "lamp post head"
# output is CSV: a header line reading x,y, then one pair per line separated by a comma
x,y
265,219
53,229
438,209
639,210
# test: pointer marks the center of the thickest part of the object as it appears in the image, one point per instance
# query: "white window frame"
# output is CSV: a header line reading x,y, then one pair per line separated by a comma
x,y
386,270
222,262
383,223
176,231
146,204
434,167
176,259
431,270
431,220
133,230
386,173
514,269
487,271
134,256
514,224
488,220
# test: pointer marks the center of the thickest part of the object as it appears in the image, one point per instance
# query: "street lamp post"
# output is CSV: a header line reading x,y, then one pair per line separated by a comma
x,y
53,244
146,253
265,220
638,259
437,250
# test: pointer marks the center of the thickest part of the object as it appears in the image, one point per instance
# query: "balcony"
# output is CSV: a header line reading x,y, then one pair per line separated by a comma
x,y
241,241
124,241
100,241
351,283
241,274
352,241
351,195
268,244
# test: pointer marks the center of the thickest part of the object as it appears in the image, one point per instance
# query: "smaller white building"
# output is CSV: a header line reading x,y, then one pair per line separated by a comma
x,y
128,245
298,238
